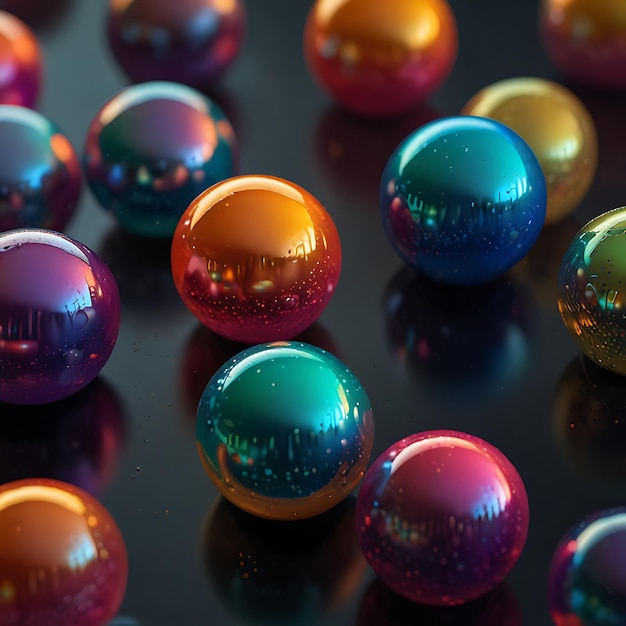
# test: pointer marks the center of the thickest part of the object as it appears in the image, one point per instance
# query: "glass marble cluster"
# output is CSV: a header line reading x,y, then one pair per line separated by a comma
x,y
63,559
151,149
587,586
558,128
187,41
442,517
377,58
59,316
284,430
463,199
21,62
40,174
585,40
256,258
591,289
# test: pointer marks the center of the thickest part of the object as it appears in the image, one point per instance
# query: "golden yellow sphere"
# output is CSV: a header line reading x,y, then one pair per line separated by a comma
x,y
558,128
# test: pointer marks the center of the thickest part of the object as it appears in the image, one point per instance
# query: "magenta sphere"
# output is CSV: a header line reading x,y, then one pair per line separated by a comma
x,y
21,65
187,41
59,316
442,517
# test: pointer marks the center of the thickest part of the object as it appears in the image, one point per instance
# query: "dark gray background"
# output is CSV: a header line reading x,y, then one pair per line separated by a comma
x,y
505,367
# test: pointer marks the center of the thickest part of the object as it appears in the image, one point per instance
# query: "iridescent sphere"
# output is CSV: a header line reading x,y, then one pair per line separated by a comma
x,y
380,58
558,128
591,289
442,517
285,430
587,582
59,316
40,175
21,62
151,149
586,40
62,556
256,258
187,41
463,199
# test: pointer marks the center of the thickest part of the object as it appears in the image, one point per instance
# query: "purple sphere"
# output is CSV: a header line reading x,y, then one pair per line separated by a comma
x,y
59,316
187,41
442,516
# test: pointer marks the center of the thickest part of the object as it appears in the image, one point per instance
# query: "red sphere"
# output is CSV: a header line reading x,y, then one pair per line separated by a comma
x,y
62,557
380,58
442,516
20,62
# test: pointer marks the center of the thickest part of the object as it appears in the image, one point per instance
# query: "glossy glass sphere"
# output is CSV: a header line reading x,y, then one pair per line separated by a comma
x,y
558,128
586,40
151,149
463,199
256,258
284,430
442,517
591,289
380,58
59,316
188,41
40,175
62,557
587,585
21,62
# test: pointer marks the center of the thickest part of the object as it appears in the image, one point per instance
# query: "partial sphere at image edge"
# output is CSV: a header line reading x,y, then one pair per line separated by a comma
x,y
256,258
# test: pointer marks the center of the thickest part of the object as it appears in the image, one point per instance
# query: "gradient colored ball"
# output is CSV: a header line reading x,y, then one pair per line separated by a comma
x,y
62,556
285,430
558,128
442,517
591,292
380,58
151,149
188,41
59,316
40,174
256,258
586,40
463,199
587,583
21,61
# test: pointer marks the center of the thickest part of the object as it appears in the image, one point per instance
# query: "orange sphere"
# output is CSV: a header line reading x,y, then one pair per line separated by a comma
x,y
62,557
380,58
256,258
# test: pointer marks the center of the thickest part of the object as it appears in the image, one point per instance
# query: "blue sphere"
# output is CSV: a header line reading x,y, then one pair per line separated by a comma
x,y
463,199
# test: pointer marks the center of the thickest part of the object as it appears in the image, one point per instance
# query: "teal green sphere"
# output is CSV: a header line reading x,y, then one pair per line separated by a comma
x,y
285,430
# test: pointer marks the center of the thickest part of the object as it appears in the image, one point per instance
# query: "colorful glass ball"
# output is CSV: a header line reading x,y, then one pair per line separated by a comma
x,y
59,316
463,199
442,517
591,289
380,58
558,128
40,174
587,586
151,149
21,61
285,430
188,41
586,40
63,559
256,258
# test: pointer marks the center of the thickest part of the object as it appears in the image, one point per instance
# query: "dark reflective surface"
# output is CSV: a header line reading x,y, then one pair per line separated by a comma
x,y
500,356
